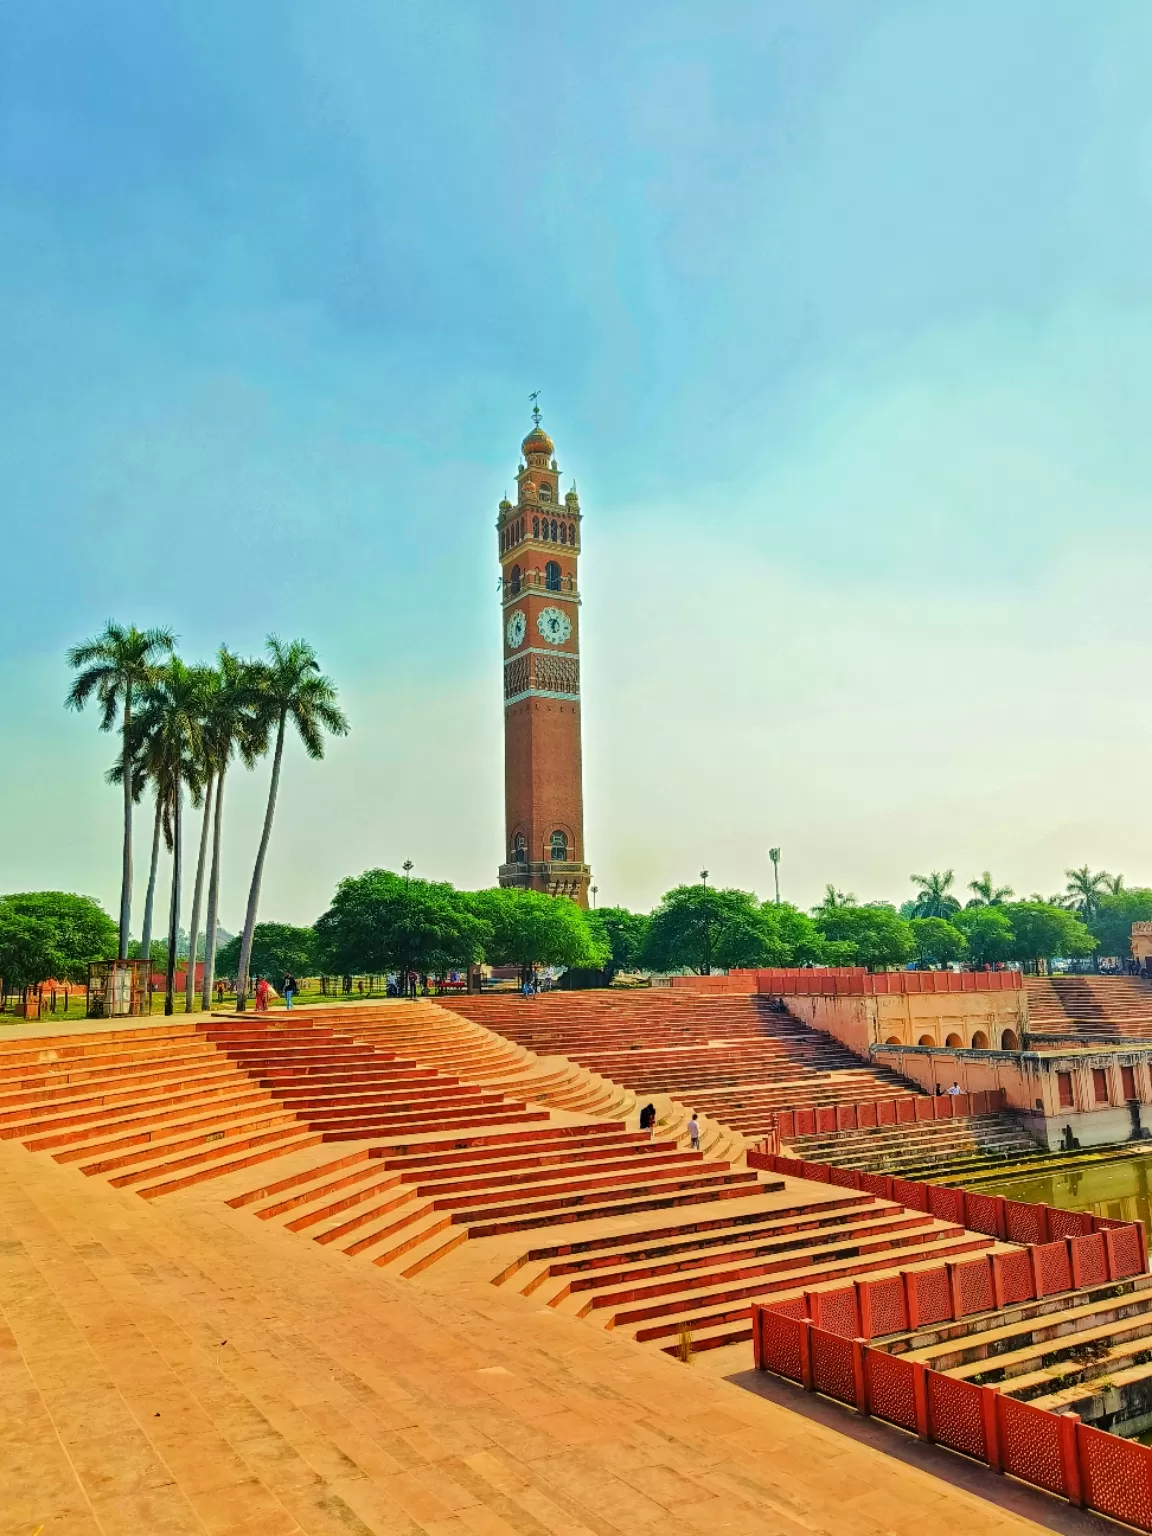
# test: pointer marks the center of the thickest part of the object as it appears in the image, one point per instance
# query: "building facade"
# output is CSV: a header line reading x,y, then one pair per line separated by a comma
x,y
539,545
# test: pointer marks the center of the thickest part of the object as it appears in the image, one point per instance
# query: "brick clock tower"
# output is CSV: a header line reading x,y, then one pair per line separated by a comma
x,y
539,540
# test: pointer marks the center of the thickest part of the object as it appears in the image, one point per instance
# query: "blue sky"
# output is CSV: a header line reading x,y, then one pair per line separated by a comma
x,y
840,311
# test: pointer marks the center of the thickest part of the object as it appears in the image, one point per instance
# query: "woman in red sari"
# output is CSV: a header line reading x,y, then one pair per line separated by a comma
x,y
261,995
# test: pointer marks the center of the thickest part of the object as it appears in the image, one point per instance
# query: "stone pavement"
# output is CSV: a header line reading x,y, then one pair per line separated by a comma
x,y
178,1367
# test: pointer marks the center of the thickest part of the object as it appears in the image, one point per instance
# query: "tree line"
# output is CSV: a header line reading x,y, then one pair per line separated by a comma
x,y
383,922
182,728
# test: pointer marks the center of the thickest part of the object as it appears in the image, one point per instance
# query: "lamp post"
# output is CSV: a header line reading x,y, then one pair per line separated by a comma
x,y
595,888
774,855
706,968
407,868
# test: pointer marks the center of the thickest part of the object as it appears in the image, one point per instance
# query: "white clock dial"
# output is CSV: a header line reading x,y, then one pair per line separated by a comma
x,y
516,629
554,625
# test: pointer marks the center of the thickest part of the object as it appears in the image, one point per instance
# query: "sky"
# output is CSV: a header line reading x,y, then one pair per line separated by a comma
x,y
841,316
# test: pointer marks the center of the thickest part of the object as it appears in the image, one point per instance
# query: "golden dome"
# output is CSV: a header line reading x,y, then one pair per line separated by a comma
x,y
538,441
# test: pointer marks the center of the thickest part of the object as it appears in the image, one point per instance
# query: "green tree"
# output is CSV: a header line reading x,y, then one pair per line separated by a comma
x,y
277,948
932,899
113,668
52,935
937,941
1043,931
988,932
687,930
986,893
1084,889
231,729
288,687
871,936
1111,923
170,722
624,933
834,900
529,929
380,922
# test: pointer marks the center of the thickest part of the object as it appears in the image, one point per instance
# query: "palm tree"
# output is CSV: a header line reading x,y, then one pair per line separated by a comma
x,y
171,717
834,900
1114,885
289,686
986,893
1084,890
115,667
230,726
148,768
933,899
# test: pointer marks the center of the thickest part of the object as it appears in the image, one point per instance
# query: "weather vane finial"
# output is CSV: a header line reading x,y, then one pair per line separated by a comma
x,y
535,399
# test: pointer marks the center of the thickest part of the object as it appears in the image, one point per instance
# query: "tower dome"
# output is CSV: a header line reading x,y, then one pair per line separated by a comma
x,y
538,441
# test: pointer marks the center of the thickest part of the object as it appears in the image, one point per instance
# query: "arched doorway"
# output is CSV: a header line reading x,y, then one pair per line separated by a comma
x,y
893,1040
925,1040
979,1041
1009,1040
955,1041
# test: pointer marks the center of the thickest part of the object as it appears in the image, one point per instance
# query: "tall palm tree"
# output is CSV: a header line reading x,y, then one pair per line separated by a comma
x,y
114,668
1084,890
1114,885
834,900
933,899
171,714
149,769
289,686
986,893
230,726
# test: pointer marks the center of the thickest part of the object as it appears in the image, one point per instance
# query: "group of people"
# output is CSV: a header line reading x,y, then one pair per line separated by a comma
x,y
263,991
648,1123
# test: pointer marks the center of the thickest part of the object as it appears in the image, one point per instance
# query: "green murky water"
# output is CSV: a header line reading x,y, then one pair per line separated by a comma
x,y
1118,1188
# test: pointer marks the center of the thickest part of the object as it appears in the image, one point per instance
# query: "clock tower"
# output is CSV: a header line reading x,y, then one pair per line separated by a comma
x,y
539,541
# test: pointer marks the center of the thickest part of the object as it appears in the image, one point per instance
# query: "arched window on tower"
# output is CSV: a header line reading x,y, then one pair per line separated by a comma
x,y
563,533
553,530
519,849
545,492
535,527
558,848
571,533
514,580
552,576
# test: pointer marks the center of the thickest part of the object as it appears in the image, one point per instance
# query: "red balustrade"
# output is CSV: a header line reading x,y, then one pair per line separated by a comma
x,y
1051,1451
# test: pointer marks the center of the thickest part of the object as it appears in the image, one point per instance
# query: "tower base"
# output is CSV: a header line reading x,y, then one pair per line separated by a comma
x,y
571,880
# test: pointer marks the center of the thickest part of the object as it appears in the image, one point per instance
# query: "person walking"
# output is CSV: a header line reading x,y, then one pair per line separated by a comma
x,y
290,989
694,1133
261,995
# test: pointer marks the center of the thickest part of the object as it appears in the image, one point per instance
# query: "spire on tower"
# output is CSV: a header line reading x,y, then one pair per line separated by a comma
x,y
535,399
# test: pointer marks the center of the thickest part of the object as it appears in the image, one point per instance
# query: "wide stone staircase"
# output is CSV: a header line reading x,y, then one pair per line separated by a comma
x,y
1089,1007
924,1148
701,1279
736,1058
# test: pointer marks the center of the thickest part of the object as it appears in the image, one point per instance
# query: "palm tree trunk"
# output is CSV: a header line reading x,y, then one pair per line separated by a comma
x,y
258,872
150,897
126,866
174,900
197,893
213,900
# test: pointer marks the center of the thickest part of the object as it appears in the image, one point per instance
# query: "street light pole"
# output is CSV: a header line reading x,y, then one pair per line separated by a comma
x,y
706,969
595,888
774,855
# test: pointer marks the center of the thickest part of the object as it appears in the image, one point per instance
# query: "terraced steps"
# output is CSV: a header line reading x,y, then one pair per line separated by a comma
x,y
967,1142
735,1058
655,1283
1090,1007
1088,1352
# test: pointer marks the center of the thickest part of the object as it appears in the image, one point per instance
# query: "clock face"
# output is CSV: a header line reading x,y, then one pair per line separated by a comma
x,y
554,626
516,629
